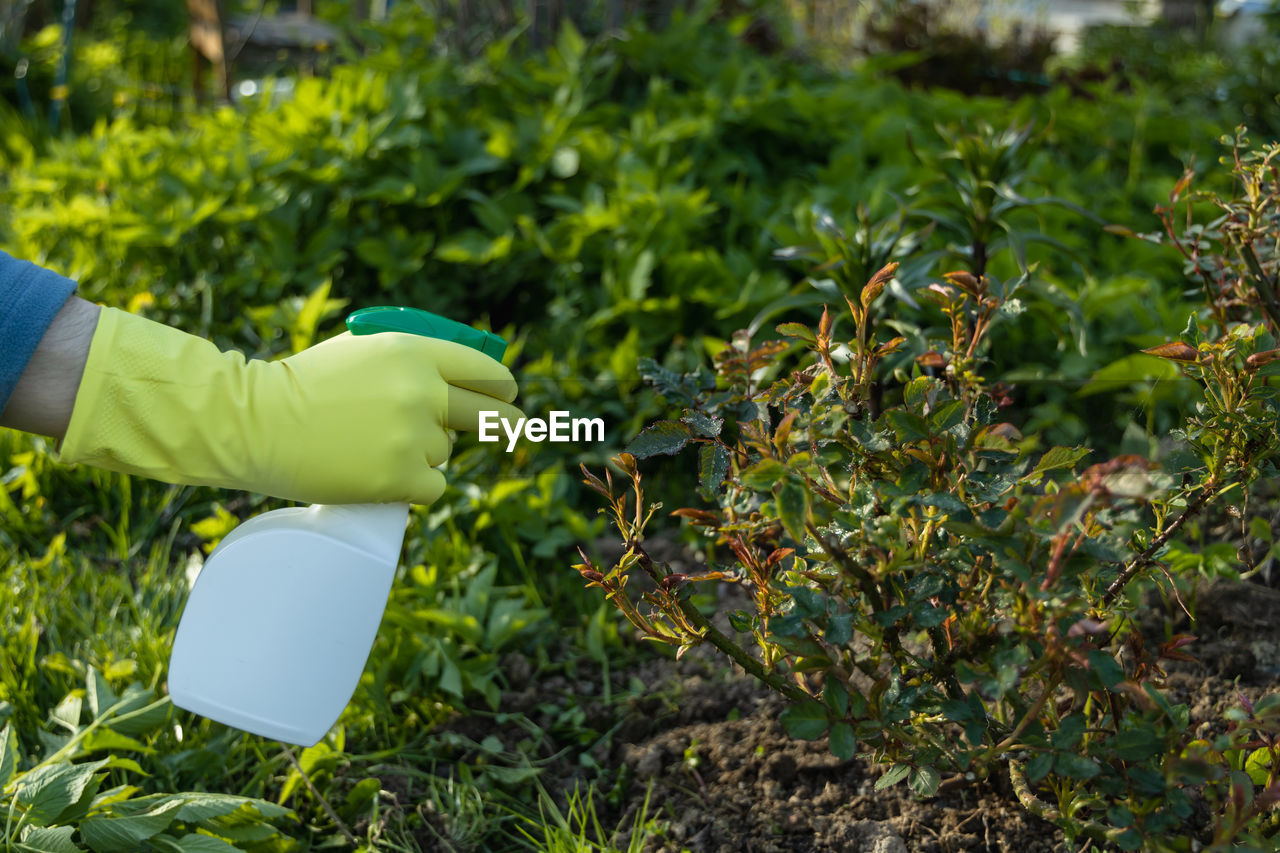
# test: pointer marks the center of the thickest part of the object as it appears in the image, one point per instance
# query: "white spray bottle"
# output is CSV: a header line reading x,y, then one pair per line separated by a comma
x,y
281,619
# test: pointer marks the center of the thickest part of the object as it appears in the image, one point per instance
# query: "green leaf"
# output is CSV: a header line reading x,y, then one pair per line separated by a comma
x,y
809,603
1136,744
924,781
1258,765
303,332
244,835
1130,839
138,712
641,276
798,330
667,437
793,508
8,755
46,791
101,696
473,246
364,791
106,739
840,629
109,834
836,695
1130,370
896,774
806,721
1070,731
956,710
1039,766
843,744
465,625
948,503
713,464
196,843
72,814
68,712
917,392
1076,766
705,425
570,44
48,839
1058,457
1107,668
1120,816
763,475
907,426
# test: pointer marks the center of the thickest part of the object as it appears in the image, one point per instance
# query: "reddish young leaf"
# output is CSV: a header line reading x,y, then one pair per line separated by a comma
x,y
966,281
824,328
698,517
889,346
778,556
1005,430
626,462
1174,351
1258,359
1181,185
932,360
593,482
854,309
877,283
783,432
744,555
763,354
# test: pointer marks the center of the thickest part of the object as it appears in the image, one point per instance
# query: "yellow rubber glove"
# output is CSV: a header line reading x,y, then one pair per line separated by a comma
x,y
356,419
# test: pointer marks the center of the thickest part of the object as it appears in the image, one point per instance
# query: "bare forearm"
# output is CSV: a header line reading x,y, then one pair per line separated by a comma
x,y
45,395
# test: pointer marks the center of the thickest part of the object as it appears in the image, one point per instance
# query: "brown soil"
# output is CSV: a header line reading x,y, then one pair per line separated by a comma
x,y
702,742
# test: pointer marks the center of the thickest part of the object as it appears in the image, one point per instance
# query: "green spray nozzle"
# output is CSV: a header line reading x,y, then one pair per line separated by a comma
x,y
415,321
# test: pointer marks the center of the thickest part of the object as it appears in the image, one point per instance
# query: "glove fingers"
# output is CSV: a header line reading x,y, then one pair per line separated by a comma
x,y
427,487
457,364
436,445
465,407
466,368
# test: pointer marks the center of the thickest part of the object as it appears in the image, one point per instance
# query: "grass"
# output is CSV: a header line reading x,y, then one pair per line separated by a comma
x,y
577,829
96,567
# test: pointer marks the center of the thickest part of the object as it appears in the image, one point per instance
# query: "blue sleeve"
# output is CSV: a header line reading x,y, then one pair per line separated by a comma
x,y
30,296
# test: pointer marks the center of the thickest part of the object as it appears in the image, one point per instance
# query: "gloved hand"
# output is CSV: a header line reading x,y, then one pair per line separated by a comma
x,y
356,419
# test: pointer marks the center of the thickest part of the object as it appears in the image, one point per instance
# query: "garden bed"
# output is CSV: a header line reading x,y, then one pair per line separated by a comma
x,y
703,746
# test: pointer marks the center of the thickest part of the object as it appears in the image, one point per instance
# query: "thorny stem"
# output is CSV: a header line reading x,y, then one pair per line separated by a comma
x,y
1139,562
713,635
1043,810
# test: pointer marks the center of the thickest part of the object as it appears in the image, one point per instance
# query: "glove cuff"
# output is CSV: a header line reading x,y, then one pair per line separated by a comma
x,y
149,400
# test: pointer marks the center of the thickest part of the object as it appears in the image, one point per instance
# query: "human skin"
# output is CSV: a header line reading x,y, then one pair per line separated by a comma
x,y
46,392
